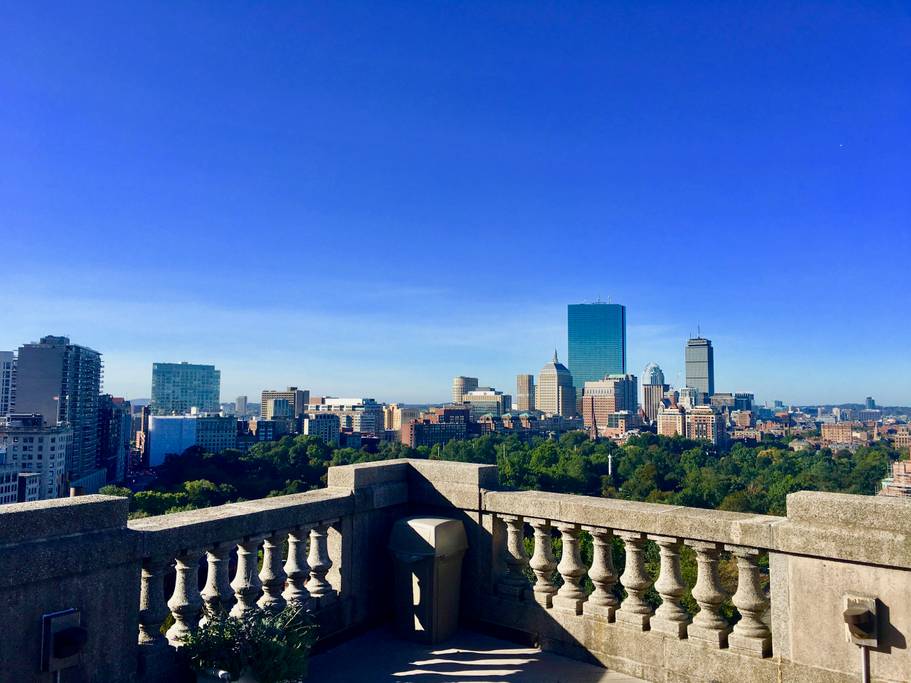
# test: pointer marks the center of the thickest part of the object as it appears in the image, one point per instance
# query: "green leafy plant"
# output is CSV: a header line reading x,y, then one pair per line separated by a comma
x,y
273,648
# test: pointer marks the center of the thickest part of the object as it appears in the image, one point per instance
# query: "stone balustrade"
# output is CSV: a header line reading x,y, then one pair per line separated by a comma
x,y
656,591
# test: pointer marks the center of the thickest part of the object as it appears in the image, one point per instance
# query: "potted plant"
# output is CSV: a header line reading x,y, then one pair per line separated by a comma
x,y
258,648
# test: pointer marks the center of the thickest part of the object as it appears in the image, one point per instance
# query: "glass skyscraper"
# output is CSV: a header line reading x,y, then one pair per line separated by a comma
x,y
597,341
178,387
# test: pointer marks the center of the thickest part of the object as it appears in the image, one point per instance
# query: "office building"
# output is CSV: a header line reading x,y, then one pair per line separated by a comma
x,y
869,403
689,398
743,401
7,381
296,398
395,415
555,394
179,387
704,423
461,385
653,391
484,400
722,401
700,365
31,445
114,428
427,433
61,382
16,486
596,334
525,392
608,397
170,435
672,421
363,415
240,407
216,433
326,426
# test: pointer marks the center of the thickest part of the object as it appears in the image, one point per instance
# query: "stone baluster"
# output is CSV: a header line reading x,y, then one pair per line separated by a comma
x,y
570,597
320,564
296,568
708,625
751,635
670,617
635,611
272,575
217,596
602,603
514,583
185,603
153,609
246,584
543,563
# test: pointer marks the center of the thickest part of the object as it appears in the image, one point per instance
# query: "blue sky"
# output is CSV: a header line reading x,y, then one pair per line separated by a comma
x,y
369,198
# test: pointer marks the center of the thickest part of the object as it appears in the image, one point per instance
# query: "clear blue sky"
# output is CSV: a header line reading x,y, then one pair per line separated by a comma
x,y
369,198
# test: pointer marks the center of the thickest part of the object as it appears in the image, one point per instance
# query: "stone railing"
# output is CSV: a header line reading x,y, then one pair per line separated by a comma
x,y
301,538
785,578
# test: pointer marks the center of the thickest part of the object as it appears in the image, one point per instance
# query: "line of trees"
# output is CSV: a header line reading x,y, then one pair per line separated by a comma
x,y
647,468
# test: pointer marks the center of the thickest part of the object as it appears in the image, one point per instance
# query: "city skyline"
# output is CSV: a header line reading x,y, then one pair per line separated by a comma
x,y
739,171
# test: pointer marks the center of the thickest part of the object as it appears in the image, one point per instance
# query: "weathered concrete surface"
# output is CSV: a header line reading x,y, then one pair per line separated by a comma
x,y
380,656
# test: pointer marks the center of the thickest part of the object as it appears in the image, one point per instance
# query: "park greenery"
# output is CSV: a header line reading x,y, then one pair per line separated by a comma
x,y
647,468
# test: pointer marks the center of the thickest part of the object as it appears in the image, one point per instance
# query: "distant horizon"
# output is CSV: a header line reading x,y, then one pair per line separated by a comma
x,y
369,200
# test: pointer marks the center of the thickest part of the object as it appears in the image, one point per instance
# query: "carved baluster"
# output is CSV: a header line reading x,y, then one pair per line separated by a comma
x,y
153,609
185,603
272,576
570,597
514,583
217,595
635,611
708,625
320,564
246,579
543,563
296,568
751,635
602,603
670,617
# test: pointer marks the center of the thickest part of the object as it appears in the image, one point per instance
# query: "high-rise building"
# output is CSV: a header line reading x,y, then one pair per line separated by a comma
x,y
240,407
704,423
179,387
461,385
653,390
485,400
324,425
672,421
869,403
395,415
170,435
555,394
114,426
603,399
653,374
700,365
689,398
362,415
7,381
61,382
525,392
743,401
31,445
297,399
652,397
596,334
216,433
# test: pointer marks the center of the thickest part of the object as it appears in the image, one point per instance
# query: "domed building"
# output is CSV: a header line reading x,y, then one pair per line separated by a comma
x,y
555,394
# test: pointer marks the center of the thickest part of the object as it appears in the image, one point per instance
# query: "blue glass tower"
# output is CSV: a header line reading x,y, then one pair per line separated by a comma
x,y
597,341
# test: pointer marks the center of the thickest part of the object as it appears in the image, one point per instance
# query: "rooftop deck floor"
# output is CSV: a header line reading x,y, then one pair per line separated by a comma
x,y
468,656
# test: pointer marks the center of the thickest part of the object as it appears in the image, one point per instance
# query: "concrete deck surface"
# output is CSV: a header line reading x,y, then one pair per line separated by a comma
x,y
469,657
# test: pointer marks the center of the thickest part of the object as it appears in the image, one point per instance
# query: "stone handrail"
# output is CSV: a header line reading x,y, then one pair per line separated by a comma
x,y
328,549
